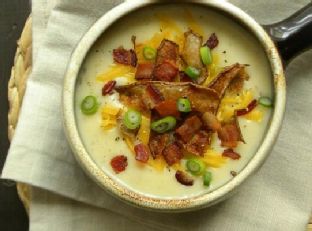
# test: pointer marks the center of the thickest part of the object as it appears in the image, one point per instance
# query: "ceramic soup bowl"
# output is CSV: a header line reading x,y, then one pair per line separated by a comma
x,y
266,49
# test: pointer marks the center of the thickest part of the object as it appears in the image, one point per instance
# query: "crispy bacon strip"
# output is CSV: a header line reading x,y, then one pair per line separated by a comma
x,y
165,71
212,41
172,154
167,108
167,51
144,71
166,61
231,154
189,128
202,99
141,152
230,134
225,79
108,87
119,163
158,143
126,57
184,178
197,145
252,105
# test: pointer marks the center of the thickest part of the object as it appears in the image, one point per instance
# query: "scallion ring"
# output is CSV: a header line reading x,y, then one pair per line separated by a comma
x,y
184,105
163,125
149,53
207,178
89,105
195,166
192,72
265,101
132,119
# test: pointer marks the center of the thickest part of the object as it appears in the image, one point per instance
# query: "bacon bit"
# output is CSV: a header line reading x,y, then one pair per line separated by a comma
x,y
154,93
108,87
252,105
142,153
157,144
167,108
188,129
144,71
231,154
233,173
172,154
184,77
211,121
119,163
126,57
165,71
198,143
167,51
230,134
184,178
213,41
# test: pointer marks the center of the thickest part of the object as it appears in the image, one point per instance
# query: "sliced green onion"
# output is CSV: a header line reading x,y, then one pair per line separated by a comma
x,y
149,53
163,125
89,105
192,72
265,101
184,105
207,177
195,166
132,119
205,55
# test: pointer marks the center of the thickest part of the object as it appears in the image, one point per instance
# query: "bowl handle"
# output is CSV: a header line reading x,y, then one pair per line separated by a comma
x,y
293,35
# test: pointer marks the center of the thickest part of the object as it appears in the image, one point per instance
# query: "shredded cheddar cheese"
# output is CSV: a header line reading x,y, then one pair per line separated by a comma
x,y
230,103
254,115
129,143
145,129
213,68
177,167
109,117
158,164
213,159
115,71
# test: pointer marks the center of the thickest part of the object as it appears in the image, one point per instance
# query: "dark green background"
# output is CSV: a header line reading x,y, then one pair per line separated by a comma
x,y
13,14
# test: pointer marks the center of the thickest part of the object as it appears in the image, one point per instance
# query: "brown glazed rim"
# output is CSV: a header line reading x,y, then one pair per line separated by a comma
x,y
139,199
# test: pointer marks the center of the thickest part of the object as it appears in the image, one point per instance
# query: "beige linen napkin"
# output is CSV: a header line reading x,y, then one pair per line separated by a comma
x,y
278,197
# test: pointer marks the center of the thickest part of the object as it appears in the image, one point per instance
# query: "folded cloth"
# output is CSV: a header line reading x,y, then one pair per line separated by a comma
x,y
278,197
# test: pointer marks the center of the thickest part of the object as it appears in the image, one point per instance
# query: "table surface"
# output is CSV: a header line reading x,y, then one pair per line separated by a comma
x,y
13,14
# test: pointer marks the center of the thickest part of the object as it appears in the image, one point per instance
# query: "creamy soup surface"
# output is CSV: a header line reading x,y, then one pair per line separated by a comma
x,y
235,45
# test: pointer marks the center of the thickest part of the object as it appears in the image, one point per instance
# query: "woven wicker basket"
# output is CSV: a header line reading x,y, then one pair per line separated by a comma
x,y
16,89
17,85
